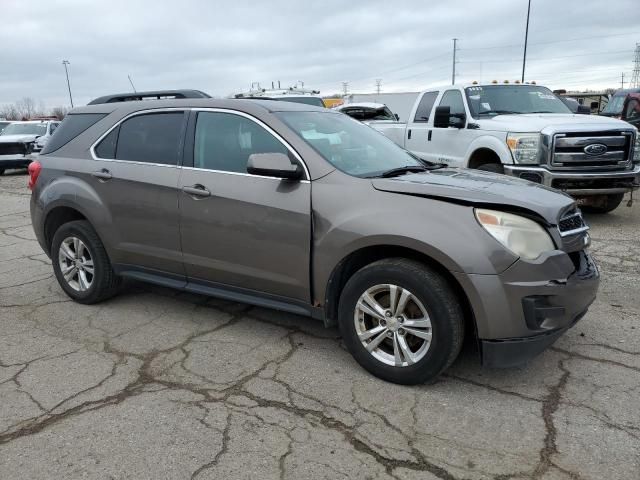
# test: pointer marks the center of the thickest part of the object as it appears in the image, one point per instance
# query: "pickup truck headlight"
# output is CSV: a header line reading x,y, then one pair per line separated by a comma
x,y
636,149
524,237
525,147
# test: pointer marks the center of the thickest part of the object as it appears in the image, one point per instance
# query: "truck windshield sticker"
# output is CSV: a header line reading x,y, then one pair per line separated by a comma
x,y
486,106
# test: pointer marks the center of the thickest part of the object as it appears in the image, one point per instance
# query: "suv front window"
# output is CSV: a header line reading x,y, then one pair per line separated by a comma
x,y
25,129
491,100
347,144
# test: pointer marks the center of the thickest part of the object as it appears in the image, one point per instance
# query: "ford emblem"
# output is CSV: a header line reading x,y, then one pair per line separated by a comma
x,y
595,149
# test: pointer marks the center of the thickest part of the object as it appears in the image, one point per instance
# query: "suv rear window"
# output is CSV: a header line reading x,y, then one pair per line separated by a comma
x,y
149,138
72,126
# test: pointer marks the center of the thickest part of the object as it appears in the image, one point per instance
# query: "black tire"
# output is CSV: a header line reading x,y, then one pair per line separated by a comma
x,y
105,282
491,167
609,204
1,171
436,295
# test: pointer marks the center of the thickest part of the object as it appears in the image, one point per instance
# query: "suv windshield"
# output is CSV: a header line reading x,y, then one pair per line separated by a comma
x,y
614,107
349,145
25,129
491,100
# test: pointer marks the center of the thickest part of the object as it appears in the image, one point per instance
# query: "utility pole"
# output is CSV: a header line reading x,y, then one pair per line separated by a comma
x,y
526,38
378,85
453,74
635,76
65,63
622,81
131,82
345,88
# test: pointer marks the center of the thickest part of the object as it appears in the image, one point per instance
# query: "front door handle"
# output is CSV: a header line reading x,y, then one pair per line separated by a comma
x,y
197,190
429,136
103,174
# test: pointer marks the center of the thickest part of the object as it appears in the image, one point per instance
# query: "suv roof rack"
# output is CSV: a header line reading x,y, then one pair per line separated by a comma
x,y
152,95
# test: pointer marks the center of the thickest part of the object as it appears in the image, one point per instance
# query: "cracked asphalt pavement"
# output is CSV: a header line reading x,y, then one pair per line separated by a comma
x,y
161,384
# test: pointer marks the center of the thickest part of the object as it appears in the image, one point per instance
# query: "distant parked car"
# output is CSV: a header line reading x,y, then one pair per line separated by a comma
x,y
294,95
20,140
368,112
575,106
3,124
616,105
631,110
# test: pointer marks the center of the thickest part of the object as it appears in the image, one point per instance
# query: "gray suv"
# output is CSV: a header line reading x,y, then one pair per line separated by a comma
x,y
305,210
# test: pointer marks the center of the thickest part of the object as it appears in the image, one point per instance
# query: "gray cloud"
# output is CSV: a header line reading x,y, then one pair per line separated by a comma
x,y
222,46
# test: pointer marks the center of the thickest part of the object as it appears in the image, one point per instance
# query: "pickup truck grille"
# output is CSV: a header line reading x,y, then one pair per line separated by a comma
x,y
591,151
14,148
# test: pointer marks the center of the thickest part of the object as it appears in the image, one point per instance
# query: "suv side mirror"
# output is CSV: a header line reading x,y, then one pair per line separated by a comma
x,y
443,118
273,165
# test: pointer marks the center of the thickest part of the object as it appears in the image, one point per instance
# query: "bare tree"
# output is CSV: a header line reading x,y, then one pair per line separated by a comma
x,y
9,112
59,112
26,108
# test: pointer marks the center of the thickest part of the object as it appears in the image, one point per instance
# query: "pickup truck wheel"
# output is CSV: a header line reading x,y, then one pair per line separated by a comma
x,y
605,204
81,264
401,321
491,167
1,171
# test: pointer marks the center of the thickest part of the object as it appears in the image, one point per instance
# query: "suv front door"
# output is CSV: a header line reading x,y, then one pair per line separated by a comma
x,y
247,231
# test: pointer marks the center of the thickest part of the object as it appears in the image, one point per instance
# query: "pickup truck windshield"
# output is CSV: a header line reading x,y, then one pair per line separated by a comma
x,y
614,107
347,144
491,100
25,129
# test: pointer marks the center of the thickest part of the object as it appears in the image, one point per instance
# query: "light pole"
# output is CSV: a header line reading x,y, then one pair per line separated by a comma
x,y
526,37
65,63
453,73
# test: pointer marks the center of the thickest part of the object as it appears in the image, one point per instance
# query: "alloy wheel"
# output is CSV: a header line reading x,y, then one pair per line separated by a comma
x,y
76,264
393,325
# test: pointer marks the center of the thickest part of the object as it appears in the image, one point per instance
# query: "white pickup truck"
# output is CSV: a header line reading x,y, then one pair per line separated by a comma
x,y
525,131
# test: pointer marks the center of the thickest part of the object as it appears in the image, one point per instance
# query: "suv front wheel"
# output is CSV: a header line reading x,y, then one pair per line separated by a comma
x,y
401,321
81,264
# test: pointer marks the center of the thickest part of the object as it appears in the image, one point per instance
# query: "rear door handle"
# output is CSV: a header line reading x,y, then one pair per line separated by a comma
x,y
409,134
103,174
429,136
197,190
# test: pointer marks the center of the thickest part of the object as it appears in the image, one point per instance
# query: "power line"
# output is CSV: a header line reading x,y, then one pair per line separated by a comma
x,y
612,52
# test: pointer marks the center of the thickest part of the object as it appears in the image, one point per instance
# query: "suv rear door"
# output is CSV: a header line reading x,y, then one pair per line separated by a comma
x,y
136,177
247,231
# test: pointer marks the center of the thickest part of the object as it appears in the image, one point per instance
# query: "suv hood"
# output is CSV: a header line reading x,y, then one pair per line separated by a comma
x,y
17,138
536,122
479,188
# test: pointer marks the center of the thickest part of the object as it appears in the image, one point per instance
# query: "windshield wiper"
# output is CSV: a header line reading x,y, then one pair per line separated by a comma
x,y
542,111
498,112
394,172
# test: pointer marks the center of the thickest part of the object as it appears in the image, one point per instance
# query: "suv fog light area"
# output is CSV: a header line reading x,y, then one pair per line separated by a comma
x,y
520,235
524,147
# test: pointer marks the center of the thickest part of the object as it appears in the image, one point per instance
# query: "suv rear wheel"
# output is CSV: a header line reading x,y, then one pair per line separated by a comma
x,y
401,321
81,264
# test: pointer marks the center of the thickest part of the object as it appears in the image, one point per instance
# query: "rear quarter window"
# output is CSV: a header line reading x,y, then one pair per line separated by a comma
x,y
72,126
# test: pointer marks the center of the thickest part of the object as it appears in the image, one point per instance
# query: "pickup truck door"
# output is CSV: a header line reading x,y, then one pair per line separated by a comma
x,y
449,145
246,231
420,126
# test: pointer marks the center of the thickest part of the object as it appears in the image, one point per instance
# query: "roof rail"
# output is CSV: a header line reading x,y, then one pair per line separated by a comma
x,y
156,94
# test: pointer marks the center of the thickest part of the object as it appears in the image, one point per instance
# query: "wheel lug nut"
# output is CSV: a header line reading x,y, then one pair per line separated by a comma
x,y
387,313
400,319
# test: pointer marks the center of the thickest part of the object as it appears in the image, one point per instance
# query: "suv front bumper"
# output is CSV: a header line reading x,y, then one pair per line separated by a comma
x,y
523,310
580,183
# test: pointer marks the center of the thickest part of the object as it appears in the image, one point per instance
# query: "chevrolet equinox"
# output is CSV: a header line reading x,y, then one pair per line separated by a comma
x,y
305,210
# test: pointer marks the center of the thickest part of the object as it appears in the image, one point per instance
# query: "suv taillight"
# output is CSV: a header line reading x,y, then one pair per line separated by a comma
x,y
34,172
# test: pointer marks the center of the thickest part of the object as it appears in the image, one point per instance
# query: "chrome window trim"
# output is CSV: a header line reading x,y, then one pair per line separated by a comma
x,y
263,125
239,174
119,122
194,109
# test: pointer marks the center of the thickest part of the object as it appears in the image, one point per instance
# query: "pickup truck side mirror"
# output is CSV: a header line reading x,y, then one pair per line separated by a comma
x,y
397,116
273,165
444,119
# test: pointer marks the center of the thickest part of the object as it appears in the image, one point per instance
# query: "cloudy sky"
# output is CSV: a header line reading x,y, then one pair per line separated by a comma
x,y
223,46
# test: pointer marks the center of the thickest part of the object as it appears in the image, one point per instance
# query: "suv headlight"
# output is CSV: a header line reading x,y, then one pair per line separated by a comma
x,y
525,147
524,237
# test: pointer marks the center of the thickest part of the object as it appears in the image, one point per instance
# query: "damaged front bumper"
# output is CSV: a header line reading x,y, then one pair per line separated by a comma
x,y
522,311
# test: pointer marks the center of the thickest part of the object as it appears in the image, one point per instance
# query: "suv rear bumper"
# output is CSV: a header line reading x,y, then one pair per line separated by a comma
x,y
523,310
580,183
